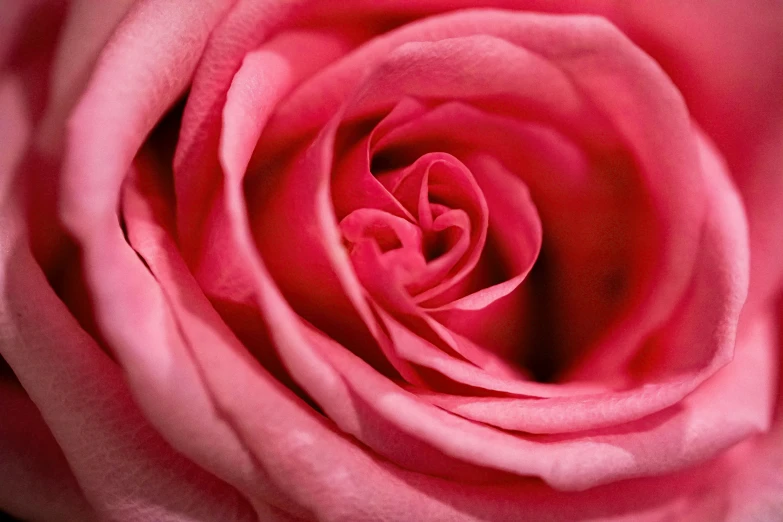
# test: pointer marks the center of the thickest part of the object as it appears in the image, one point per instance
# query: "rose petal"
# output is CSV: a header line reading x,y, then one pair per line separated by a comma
x,y
751,470
694,345
659,108
15,130
245,27
147,82
713,53
37,483
84,400
331,475
516,228
353,183
85,31
646,447
479,445
715,349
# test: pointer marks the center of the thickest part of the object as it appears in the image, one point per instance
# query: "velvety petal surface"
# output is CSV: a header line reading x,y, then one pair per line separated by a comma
x,y
333,304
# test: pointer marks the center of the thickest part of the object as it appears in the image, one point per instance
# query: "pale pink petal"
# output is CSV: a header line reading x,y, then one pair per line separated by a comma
x,y
86,29
192,340
123,467
751,470
104,135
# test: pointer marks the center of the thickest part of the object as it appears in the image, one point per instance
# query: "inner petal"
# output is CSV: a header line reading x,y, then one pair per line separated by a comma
x,y
438,239
438,193
592,205
451,211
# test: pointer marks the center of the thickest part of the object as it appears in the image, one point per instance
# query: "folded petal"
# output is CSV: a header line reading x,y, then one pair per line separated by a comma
x,y
83,398
331,475
37,483
132,86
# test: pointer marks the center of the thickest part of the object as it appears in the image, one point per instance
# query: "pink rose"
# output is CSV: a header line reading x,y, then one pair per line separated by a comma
x,y
391,260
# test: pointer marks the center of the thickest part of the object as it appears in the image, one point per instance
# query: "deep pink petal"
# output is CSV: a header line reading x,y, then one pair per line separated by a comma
x,y
353,183
612,84
515,234
245,27
329,475
713,53
15,131
37,483
699,339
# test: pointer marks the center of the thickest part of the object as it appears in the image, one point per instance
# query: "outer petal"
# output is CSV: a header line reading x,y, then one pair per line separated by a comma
x,y
246,26
725,58
130,69
753,467
37,482
85,31
126,471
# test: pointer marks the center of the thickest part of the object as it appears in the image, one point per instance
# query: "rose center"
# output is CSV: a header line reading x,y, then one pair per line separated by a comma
x,y
423,236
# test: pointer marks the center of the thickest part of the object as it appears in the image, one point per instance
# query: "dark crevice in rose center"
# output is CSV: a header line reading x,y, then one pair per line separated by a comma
x,y
383,161
7,374
543,357
436,244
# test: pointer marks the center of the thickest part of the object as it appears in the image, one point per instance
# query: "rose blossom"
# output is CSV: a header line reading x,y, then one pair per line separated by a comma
x,y
410,260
